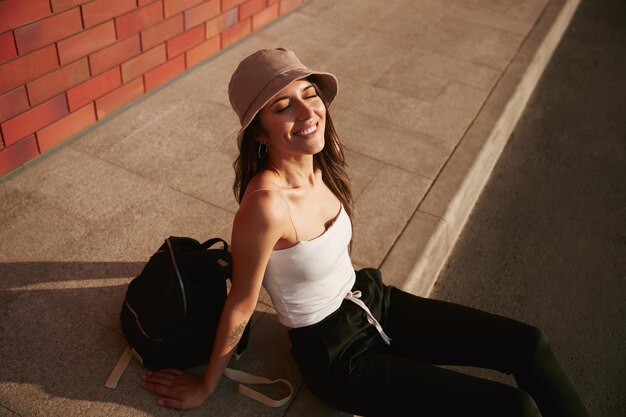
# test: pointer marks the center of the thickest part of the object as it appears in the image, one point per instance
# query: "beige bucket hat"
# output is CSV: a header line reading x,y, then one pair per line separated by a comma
x,y
260,76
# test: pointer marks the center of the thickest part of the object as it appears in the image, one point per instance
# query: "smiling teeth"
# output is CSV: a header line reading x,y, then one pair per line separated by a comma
x,y
307,131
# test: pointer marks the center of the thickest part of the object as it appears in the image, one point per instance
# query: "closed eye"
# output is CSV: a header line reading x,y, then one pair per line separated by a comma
x,y
307,93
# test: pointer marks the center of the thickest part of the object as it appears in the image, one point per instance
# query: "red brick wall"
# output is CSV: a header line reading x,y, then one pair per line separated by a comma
x,y
65,64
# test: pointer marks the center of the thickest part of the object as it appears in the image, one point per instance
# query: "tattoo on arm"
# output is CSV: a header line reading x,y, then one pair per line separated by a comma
x,y
234,337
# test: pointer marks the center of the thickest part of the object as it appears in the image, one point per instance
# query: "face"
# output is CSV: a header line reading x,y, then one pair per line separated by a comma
x,y
294,121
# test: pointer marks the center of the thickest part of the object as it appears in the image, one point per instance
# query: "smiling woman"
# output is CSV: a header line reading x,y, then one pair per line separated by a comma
x,y
361,346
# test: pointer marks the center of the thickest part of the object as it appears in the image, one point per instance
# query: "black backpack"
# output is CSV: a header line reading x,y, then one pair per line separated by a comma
x,y
172,309
171,312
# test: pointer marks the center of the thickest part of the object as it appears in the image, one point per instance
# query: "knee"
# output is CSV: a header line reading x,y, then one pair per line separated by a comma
x,y
538,341
538,347
524,405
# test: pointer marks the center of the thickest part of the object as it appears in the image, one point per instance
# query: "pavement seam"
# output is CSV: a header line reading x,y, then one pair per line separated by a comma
x,y
454,149
10,411
152,181
451,236
388,164
489,95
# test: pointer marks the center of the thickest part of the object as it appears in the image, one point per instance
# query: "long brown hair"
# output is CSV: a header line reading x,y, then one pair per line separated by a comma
x,y
331,161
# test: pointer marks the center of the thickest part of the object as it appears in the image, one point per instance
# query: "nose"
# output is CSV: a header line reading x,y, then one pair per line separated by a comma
x,y
304,109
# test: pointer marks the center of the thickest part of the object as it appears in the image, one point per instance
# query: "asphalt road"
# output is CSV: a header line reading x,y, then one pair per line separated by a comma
x,y
546,243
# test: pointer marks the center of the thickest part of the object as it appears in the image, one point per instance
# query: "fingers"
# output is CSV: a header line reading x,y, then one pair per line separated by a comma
x,y
162,383
158,380
165,377
166,373
171,371
157,387
171,403
177,389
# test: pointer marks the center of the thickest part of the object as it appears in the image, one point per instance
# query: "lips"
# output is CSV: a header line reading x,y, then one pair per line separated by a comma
x,y
307,131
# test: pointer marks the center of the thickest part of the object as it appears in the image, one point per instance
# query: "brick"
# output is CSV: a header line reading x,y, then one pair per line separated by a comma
x,y
142,63
203,51
114,55
139,19
201,13
15,13
173,7
118,98
251,7
165,72
161,32
86,42
48,30
94,88
27,67
99,11
185,41
272,2
264,17
7,47
288,5
60,5
68,126
219,24
34,119
18,154
57,81
142,3
13,102
229,4
234,33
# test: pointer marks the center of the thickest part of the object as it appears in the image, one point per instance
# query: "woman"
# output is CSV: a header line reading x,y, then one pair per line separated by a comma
x,y
361,346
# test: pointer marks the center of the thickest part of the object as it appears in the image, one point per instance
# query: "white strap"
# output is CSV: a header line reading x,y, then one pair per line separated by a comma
x,y
235,375
354,297
246,378
119,368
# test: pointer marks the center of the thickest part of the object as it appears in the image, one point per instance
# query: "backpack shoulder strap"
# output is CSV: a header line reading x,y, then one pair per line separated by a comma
x,y
119,368
246,378
212,242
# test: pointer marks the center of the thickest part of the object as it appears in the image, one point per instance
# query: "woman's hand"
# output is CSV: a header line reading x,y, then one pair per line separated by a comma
x,y
178,389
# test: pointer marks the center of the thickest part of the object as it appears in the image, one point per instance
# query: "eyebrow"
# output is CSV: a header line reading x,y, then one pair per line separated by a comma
x,y
276,100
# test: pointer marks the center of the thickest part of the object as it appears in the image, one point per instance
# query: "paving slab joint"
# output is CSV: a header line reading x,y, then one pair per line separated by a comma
x,y
414,261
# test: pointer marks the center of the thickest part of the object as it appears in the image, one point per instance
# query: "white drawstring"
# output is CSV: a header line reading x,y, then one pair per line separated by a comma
x,y
355,296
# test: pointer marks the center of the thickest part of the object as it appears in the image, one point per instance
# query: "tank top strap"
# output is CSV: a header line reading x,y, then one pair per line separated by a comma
x,y
286,202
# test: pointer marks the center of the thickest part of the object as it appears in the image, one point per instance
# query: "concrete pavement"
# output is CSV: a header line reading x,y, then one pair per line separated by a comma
x,y
429,93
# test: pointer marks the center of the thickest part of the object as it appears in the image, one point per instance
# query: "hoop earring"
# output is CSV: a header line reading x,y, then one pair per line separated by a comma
x,y
264,153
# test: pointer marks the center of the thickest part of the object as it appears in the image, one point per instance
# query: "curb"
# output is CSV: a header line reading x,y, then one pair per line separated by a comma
x,y
421,250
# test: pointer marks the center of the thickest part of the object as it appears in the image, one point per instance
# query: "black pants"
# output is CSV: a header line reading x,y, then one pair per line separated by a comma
x,y
345,362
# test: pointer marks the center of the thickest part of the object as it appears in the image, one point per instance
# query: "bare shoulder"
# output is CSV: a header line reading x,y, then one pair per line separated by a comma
x,y
263,209
263,205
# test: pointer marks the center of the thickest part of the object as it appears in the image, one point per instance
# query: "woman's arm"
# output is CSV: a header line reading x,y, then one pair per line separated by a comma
x,y
257,226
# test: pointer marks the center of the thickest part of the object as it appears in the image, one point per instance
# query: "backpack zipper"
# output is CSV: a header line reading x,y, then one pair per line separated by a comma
x,y
139,323
180,279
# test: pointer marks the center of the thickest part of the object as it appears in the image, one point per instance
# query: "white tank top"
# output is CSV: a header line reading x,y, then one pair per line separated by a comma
x,y
308,281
